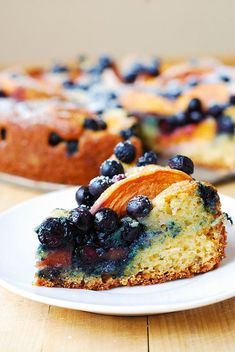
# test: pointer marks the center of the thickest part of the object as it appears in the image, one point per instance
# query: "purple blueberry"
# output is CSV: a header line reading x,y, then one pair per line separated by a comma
x,y
194,105
82,219
147,159
54,233
125,152
139,207
111,168
98,185
130,229
182,163
225,125
84,197
106,220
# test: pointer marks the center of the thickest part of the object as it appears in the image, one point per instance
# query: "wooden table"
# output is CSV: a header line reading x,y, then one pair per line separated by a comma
x,y
29,326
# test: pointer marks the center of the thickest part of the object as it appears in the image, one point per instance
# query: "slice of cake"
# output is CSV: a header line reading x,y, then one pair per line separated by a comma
x,y
136,224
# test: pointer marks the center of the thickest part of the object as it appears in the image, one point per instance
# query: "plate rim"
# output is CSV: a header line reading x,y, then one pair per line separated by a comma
x,y
135,310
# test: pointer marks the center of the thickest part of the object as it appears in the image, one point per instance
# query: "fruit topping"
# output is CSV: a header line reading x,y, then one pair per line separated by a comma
x,y
232,100
215,110
147,159
127,133
209,196
82,218
130,229
71,147
194,105
94,125
139,206
106,220
54,232
182,163
98,185
125,152
84,197
54,139
225,125
111,168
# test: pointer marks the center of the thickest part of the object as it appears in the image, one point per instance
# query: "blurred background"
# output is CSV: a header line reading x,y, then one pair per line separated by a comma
x,y
42,30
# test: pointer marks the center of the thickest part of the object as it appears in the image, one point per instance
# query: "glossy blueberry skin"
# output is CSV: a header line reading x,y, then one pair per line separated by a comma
x,y
98,185
194,105
225,125
106,220
147,159
82,219
215,110
54,139
182,163
84,197
181,119
125,152
54,233
94,124
195,116
130,229
111,168
139,207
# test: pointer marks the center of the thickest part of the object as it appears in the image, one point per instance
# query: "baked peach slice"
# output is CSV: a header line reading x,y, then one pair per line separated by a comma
x,y
147,180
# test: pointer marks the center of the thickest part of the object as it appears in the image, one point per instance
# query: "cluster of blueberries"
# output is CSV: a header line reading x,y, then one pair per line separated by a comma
x,y
195,114
92,234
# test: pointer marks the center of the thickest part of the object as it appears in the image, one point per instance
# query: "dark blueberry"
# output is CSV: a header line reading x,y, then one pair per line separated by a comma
x,y
182,163
225,125
3,94
196,116
82,218
181,119
209,196
84,197
167,125
127,133
125,151
130,75
194,105
232,100
111,168
54,232
225,78
94,124
105,61
147,159
99,184
71,147
106,220
139,206
215,110
130,229
68,84
54,139
3,133
59,68
193,82
119,177
153,68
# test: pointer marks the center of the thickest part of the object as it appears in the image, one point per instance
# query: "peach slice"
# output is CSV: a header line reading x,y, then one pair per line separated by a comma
x,y
148,180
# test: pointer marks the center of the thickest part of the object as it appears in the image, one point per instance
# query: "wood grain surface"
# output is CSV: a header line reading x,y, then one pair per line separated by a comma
x,y
27,326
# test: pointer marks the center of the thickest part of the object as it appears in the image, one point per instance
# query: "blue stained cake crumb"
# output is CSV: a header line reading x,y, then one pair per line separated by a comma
x,y
209,197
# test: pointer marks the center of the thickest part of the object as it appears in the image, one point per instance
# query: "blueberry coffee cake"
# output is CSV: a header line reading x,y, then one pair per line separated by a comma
x,y
137,223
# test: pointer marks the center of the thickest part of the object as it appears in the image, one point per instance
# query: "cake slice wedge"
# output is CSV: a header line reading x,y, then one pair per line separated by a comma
x,y
175,231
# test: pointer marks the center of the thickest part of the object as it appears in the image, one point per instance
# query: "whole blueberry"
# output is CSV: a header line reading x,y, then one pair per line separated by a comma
x,y
147,159
127,133
82,218
232,100
54,233
225,125
54,139
194,105
215,110
130,229
111,168
106,220
84,197
182,163
196,116
139,207
94,124
181,119
98,185
125,151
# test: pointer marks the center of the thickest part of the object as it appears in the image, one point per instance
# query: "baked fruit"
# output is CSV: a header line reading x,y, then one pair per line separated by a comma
x,y
163,226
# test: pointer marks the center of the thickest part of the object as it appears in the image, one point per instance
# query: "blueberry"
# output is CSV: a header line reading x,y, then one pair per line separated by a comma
x,y
82,218
130,229
125,151
94,124
54,232
225,125
68,84
181,119
99,184
147,159
3,133
127,133
54,139
84,197
232,100
59,68
153,68
215,110
167,125
225,78
196,116
182,163
106,220
111,168
105,61
130,75
209,197
71,147
139,206
194,105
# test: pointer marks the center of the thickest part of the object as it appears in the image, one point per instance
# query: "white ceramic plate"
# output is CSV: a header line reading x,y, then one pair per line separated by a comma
x,y
18,243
